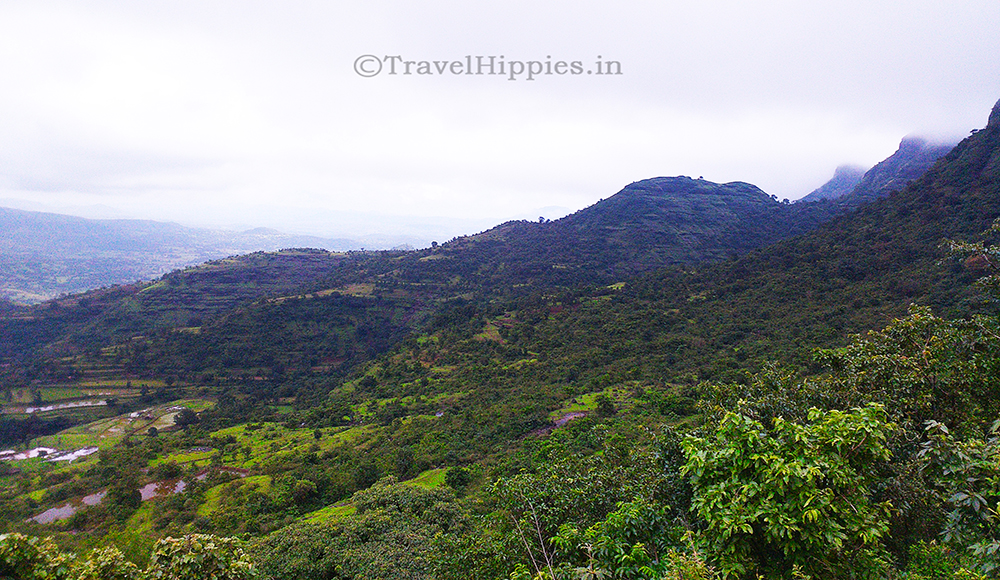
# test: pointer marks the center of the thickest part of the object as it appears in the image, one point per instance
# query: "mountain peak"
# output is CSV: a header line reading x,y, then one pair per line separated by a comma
x,y
844,179
994,116
912,143
912,159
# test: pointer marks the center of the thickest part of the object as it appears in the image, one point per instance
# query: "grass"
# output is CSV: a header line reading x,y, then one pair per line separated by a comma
x,y
490,333
581,404
52,394
330,514
588,402
272,441
429,479
182,457
213,496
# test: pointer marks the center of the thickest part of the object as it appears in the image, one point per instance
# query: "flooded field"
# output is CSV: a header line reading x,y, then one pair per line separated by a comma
x,y
51,454
148,492
56,407
65,511
12,455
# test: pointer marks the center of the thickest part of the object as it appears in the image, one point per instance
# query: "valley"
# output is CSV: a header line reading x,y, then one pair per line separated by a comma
x,y
686,376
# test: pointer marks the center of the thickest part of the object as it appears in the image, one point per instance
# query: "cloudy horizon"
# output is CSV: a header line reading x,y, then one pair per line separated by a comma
x,y
237,113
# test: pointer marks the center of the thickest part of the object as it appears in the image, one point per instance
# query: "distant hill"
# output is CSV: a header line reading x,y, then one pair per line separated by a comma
x,y
913,158
650,224
851,186
43,255
844,179
664,221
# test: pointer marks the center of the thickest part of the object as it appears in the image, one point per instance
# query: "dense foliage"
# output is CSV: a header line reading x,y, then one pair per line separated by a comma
x,y
194,557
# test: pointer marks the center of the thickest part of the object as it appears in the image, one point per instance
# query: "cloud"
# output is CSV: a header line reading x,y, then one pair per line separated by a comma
x,y
193,110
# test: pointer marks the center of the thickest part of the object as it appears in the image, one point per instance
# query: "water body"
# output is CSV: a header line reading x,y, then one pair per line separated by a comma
x,y
148,492
71,455
162,488
66,511
48,452
58,406
11,455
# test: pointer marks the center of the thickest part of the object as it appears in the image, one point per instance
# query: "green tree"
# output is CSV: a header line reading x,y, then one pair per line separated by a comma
x,y
922,367
186,417
966,474
391,536
605,406
107,564
458,478
200,556
193,557
31,558
792,497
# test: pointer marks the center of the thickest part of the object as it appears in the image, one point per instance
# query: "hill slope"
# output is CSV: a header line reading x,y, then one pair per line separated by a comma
x,y
650,224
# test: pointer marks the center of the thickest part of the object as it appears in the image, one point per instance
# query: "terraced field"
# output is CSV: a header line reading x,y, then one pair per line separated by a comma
x,y
107,432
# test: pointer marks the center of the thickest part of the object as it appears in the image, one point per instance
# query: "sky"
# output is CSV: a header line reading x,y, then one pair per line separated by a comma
x,y
306,117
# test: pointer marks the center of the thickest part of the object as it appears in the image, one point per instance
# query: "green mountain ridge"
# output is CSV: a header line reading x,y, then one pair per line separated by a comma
x,y
648,225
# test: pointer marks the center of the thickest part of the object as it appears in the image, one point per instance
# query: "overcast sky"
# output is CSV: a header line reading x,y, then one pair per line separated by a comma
x,y
253,113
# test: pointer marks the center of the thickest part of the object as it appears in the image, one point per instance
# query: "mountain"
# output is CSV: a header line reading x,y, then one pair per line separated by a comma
x,y
650,224
844,179
912,159
239,301
665,221
851,185
43,255
849,275
678,224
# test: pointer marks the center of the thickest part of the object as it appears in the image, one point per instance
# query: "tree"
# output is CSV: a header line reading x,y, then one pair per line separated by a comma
x,y
391,536
186,417
981,256
966,474
457,478
792,497
31,558
193,557
124,496
922,367
605,406
199,556
107,564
